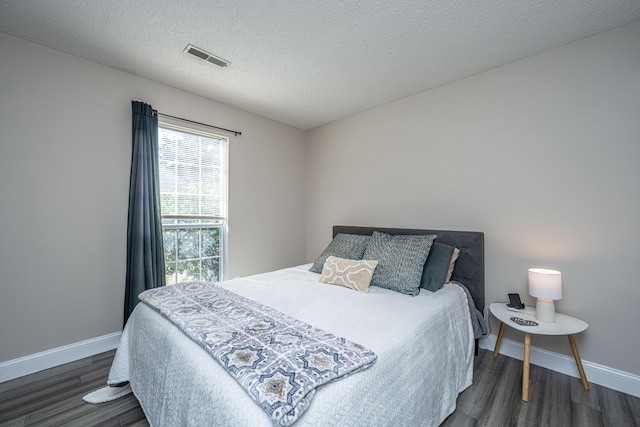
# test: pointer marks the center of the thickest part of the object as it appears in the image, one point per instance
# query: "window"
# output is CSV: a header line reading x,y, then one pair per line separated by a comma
x,y
193,199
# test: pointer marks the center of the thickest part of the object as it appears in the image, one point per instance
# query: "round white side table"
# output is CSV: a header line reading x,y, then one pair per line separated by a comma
x,y
564,325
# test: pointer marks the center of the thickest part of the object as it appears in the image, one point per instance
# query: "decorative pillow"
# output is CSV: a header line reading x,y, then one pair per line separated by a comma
x,y
347,272
400,259
452,264
436,269
349,246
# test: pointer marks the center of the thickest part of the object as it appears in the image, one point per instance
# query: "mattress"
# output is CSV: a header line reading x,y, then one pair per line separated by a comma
x,y
424,347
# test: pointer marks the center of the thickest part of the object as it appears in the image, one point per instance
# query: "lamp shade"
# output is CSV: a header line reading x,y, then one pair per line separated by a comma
x,y
544,283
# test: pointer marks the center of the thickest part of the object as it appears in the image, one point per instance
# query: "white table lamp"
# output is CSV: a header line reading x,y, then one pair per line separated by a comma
x,y
546,285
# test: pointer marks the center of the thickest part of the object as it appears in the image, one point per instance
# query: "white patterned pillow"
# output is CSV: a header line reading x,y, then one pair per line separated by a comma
x,y
350,273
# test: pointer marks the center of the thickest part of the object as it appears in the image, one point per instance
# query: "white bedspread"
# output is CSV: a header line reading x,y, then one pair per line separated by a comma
x,y
424,346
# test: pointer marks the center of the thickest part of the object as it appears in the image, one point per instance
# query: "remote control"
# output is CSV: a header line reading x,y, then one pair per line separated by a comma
x,y
523,322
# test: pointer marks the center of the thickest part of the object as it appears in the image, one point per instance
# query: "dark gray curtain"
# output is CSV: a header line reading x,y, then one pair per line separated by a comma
x,y
145,251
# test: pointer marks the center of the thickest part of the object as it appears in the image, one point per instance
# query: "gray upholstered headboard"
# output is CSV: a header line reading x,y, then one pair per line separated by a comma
x,y
469,268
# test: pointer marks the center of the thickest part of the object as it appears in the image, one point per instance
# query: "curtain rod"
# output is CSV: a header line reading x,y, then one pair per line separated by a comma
x,y
235,132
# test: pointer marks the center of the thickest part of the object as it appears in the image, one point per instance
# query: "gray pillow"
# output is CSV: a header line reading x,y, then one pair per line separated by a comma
x,y
436,268
347,246
400,259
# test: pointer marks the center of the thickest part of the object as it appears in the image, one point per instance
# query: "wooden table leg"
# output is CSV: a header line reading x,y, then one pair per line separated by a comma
x,y
498,341
576,355
525,367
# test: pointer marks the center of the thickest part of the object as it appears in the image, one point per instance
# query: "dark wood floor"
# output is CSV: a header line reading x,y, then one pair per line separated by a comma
x,y
555,399
54,398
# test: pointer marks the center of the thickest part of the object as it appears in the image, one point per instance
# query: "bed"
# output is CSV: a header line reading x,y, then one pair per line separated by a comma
x,y
423,346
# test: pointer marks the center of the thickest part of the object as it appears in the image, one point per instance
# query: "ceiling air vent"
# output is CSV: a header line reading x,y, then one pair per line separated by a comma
x,y
197,52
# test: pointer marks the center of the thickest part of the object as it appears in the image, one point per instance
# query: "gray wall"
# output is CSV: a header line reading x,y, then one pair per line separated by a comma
x,y
65,154
541,154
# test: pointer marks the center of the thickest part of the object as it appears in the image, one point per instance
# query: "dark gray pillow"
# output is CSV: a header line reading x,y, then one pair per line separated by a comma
x,y
436,268
400,259
348,246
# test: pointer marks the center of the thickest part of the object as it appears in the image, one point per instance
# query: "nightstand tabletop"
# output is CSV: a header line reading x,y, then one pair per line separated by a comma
x,y
564,325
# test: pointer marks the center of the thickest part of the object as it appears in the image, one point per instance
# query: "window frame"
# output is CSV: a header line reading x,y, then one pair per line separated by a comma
x,y
200,130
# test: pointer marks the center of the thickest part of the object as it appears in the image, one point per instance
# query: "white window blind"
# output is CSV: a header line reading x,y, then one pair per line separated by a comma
x,y
192,174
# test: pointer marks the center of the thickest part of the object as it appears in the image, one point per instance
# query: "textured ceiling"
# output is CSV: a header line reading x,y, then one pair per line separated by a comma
x,y
306,63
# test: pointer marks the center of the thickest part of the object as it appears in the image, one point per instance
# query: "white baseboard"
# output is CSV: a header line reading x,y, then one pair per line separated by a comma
x,y
32,363
598,374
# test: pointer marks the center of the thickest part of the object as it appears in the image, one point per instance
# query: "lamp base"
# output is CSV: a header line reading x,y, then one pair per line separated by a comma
x,y
545,310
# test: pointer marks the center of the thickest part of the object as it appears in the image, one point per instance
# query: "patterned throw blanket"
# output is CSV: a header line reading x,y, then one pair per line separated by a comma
x,y
278,360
